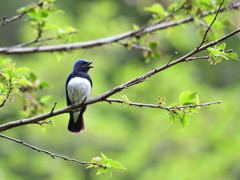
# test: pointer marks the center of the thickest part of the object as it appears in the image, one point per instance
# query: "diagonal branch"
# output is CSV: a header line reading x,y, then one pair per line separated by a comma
x,y
210,26
53,155
16,17
111,39
119,88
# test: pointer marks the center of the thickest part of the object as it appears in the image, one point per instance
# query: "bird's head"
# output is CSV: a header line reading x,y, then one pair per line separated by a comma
x,y
82,65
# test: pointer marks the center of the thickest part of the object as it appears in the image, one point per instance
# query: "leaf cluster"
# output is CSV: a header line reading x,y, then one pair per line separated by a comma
x,y
23,83
105,165
183,114
38,18
218,53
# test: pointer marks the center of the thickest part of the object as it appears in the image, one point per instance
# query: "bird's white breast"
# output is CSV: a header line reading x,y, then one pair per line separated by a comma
x,y
78,89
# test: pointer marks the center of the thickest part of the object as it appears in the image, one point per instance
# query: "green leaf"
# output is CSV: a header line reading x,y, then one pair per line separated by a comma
x,y
23,82
32,77
182,115
153,45
206,4
223,55
22,70
33,14
157,9
222,47
6,70
44,13
172,7
102,171
188,97
5,76
232,55
217,54
112,163
185,119
43,85
175,115
106,163
117,165
156,55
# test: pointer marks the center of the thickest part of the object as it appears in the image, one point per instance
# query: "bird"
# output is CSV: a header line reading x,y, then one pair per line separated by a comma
x,y
78,89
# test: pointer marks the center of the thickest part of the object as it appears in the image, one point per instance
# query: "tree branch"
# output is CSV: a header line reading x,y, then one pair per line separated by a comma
x,y
53,155
112,39
119,88
169,108
195,58
16,17
210,26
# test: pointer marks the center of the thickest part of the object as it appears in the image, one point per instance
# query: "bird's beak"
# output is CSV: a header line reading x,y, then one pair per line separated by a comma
x,y
89,63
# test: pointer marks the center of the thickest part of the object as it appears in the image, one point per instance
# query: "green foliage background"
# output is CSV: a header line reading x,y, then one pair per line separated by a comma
x,y
142,139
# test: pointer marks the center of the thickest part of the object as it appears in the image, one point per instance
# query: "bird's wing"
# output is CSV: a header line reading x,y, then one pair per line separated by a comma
x,y
67,97
89,80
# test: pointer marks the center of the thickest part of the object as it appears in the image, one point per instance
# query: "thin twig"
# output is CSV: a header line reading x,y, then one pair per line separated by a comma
x,y
136,104
168,108
116,89
53,155
183,6
38,39
8,94
16,17
111,39
210,26
197,105
136,46
35,41
53,108
175,53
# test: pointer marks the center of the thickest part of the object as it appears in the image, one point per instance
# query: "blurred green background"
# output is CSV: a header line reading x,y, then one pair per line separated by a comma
x,y
142,139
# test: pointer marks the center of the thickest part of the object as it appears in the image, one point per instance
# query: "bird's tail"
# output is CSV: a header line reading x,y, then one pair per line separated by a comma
x,y
75,126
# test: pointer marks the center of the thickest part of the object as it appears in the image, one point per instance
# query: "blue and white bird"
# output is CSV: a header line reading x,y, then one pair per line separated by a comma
x,y
78,89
